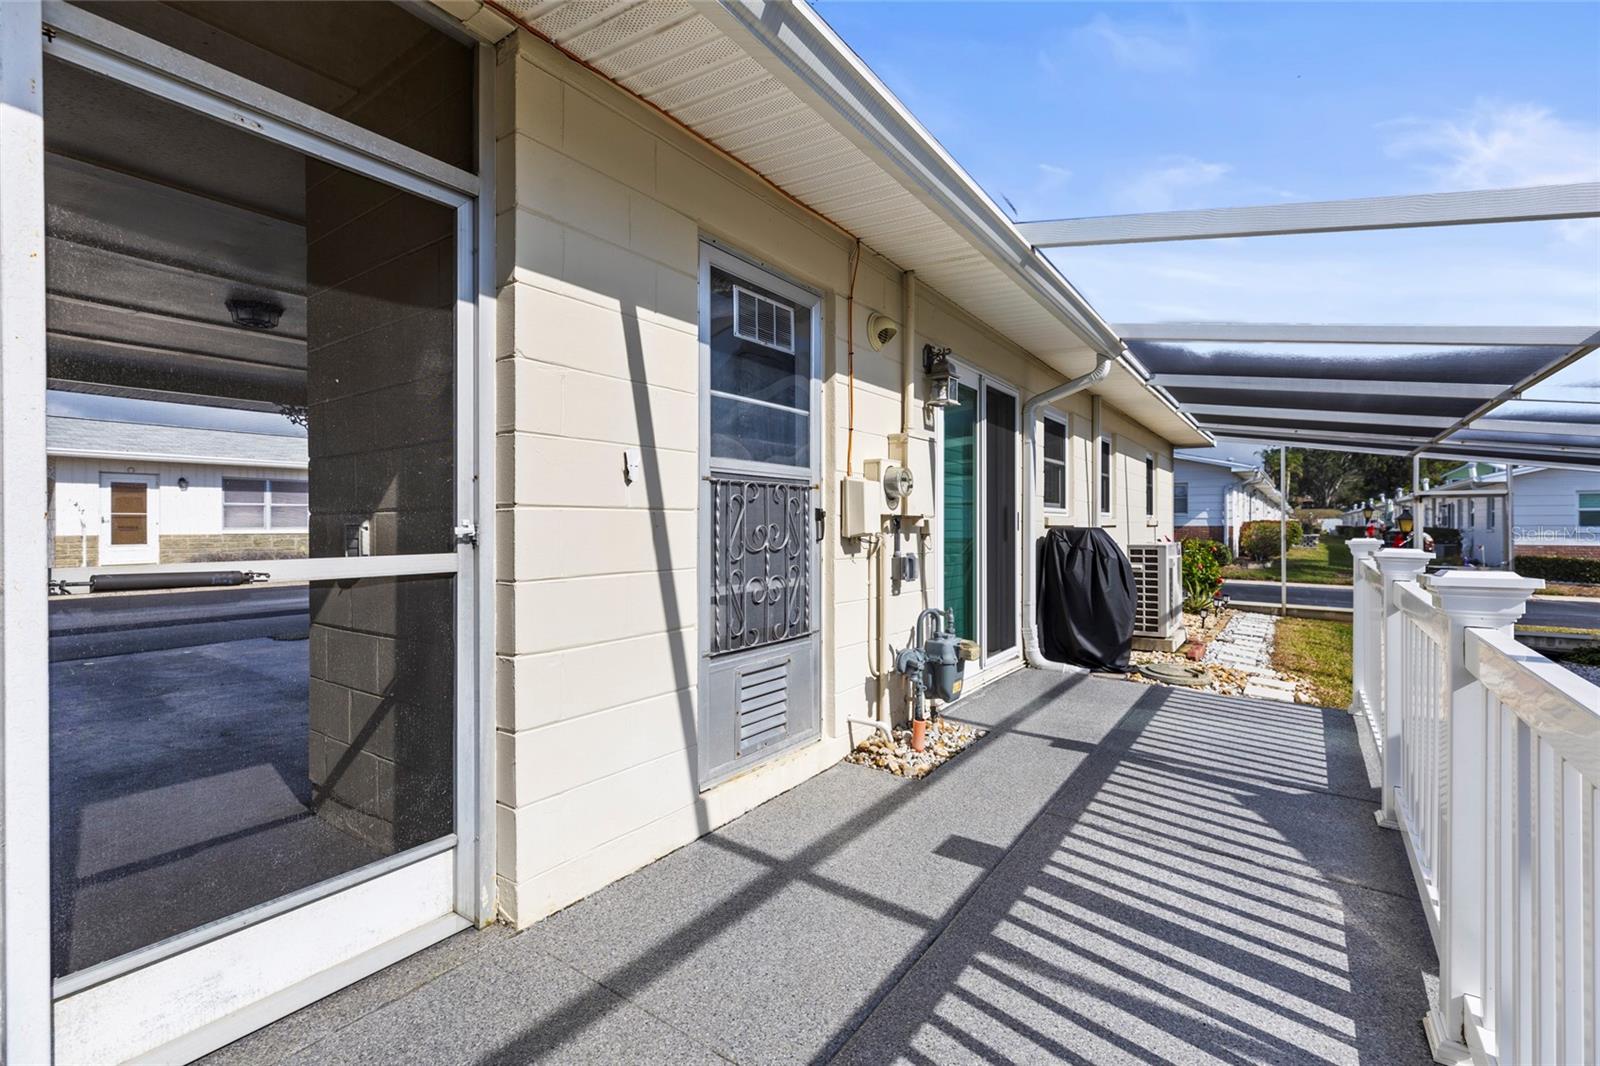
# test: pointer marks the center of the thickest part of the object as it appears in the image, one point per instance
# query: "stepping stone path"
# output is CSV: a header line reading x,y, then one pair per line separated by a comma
x,y
1245,645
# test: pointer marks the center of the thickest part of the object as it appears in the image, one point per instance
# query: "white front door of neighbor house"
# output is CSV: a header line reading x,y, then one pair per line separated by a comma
x,y
130,519
250,790
760,338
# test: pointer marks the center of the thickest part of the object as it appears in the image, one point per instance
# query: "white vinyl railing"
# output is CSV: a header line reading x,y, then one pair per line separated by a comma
x,y
1490,760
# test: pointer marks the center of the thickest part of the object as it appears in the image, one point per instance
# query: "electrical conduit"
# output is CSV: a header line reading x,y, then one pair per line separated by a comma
x,y
1031,649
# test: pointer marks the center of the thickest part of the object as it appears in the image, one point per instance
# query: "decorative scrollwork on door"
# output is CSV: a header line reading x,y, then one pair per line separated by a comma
x,y
760,563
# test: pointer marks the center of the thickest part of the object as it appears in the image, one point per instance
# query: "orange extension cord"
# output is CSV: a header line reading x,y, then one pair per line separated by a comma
x,y
850,356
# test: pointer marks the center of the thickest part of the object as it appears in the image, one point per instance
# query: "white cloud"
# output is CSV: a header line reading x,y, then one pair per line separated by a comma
x,y
1494,145
1498,145
1168,184
1143,46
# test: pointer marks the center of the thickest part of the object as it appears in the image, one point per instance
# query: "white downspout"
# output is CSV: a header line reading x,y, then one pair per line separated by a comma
x,y
1030,507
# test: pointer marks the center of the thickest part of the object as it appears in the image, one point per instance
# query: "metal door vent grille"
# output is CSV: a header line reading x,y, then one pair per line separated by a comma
x,y
756,318
763,706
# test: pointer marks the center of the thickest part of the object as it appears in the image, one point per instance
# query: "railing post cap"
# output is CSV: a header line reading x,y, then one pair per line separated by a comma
x,y
1402,563
1363,546
1491,598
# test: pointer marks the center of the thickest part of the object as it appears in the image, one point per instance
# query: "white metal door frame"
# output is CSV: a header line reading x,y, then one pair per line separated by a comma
x,y
715,254
29,31
24,629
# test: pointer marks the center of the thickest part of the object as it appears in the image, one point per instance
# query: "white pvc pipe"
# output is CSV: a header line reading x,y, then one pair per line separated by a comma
x,y
1031,650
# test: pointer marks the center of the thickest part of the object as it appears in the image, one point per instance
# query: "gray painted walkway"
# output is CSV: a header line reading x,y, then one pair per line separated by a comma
x,y
1117,873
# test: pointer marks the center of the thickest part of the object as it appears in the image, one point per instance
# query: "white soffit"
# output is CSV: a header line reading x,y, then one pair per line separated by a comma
x,y
772,86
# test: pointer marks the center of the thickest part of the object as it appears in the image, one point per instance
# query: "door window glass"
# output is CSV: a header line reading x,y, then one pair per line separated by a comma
x,y
760,374
273,339
960,508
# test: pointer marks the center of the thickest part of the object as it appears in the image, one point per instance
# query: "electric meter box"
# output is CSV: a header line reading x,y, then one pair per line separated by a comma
x,y
858,507
914,454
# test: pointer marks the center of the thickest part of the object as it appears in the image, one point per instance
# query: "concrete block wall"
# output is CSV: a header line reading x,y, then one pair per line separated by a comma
x,y
602,203
380,316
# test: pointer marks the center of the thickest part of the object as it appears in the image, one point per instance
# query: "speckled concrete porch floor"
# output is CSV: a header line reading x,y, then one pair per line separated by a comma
x,y
1116,873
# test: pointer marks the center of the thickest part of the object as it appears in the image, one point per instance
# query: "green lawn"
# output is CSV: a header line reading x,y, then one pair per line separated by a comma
x,y
1326,564
1319,652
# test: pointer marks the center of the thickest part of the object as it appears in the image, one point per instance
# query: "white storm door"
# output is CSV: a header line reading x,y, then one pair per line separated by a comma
x,y
130,519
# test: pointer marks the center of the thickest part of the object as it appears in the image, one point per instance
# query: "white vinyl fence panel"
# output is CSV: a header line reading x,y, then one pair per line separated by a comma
x,y
1491,761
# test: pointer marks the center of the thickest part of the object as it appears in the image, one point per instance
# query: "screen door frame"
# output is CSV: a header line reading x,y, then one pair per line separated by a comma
x,y
464,885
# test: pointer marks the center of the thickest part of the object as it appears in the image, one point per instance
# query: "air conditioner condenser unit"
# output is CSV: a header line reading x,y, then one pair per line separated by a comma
x,y
1158,596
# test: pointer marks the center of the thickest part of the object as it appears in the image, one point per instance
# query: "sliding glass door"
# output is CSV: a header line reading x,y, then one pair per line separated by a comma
x,y
978,515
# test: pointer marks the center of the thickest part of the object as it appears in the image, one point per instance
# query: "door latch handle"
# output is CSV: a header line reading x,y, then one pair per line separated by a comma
x,y
821,516
467,533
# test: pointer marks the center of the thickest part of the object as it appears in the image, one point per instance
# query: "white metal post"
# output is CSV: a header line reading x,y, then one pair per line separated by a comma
x,y
1283,530
1509,517
1396,565
1416,540
1468,600
1360,617
24,647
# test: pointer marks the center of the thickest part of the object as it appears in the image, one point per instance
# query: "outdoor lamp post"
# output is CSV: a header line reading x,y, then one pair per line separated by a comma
x,y
1407,523
1366,516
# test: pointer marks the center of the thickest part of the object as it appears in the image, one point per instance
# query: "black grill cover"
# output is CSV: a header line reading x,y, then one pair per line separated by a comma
x,y
1085,599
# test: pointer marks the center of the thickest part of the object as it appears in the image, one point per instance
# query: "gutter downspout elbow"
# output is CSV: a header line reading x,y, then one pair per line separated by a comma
x,y
1031,650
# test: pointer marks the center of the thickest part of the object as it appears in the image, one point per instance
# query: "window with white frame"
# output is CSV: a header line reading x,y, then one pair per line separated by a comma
x,y
1180,497
1589,508
264,503
1149,485
1055,463
1105,475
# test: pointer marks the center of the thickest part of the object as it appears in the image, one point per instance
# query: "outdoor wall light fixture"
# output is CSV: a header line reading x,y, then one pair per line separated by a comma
x,y
183,484
254,314
943,381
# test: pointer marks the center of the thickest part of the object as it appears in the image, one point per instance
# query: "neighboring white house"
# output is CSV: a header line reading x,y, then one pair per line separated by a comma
x,y
1553,511
125,493
1214,496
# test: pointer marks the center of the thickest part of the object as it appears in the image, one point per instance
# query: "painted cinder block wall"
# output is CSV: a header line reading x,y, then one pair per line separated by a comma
x,y
602,203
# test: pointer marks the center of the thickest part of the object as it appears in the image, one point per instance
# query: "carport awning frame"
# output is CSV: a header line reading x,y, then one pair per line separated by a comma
x,y
1453,391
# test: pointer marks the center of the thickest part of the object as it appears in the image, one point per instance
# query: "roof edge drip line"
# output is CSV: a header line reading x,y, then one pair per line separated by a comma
x,y
812,52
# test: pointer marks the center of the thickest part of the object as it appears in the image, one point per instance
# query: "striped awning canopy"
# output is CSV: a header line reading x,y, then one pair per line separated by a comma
x,y
1528,402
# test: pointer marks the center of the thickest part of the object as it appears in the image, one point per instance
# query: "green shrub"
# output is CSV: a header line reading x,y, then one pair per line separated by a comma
x,y
1259,540
1214,548
1561,568
1202,574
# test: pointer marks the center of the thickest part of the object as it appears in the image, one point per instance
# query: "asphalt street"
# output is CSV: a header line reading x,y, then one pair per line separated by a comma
x,y
1542,611
89,625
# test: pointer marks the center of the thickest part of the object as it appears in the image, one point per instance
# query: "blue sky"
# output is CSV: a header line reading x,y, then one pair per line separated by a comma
x,y
1088,109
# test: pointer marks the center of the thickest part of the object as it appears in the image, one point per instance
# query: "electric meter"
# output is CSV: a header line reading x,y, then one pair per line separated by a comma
x,y
897,482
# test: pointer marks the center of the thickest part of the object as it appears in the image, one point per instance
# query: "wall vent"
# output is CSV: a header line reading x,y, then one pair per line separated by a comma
x,y
763,706
756,318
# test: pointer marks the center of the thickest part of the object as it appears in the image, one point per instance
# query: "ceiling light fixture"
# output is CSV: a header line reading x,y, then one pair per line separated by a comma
x,y
254,314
